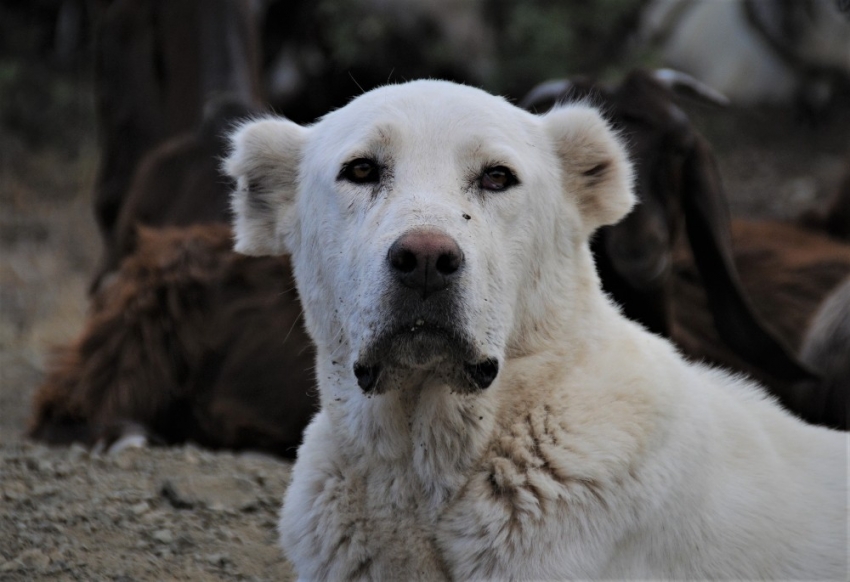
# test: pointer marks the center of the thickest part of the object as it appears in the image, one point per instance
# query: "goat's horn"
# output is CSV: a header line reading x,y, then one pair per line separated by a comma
x,y
553,90
685,84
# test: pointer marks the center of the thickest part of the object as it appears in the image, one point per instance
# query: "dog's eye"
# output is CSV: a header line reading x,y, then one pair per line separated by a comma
x,y
361,171
497,178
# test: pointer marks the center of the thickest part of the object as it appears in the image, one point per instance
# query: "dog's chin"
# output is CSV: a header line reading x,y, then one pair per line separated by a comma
x,y
424,349
409,353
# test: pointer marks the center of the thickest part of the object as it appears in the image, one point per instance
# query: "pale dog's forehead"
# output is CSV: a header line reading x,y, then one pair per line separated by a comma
x,y
419,110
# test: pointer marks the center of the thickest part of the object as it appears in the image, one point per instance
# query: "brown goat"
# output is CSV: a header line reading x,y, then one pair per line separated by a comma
x,y
679,186
192,342
186,339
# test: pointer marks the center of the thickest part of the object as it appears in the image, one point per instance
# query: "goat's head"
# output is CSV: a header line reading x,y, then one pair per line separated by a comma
x,y
676,180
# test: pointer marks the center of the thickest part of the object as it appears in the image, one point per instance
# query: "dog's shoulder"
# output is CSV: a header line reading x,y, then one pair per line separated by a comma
x,y
569,451
649,442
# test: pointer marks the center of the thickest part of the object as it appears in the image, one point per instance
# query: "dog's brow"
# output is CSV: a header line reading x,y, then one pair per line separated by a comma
x,y
384,135
381,138
478,149
377,142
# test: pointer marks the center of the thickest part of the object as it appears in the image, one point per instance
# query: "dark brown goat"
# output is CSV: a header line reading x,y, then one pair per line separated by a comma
x,y
192,342
678,184
186,340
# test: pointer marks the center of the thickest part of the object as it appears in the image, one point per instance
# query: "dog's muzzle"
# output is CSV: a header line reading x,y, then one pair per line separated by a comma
x,y
423,332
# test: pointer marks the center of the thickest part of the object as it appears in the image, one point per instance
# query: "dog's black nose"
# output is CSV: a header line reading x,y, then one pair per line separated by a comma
x,y
425,260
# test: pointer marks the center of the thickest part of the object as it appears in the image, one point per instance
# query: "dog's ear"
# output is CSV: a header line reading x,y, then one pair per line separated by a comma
x,y
264,162
595,165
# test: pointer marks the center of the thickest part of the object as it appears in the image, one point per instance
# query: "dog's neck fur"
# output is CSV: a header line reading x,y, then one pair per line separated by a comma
x,y
423,432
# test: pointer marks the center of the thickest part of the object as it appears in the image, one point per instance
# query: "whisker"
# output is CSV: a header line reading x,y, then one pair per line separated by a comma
x,y
362,90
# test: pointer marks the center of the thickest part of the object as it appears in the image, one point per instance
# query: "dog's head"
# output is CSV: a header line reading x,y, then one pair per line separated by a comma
x,y
434,228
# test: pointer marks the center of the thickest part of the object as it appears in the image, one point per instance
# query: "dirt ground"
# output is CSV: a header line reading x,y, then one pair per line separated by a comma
x,y
185,513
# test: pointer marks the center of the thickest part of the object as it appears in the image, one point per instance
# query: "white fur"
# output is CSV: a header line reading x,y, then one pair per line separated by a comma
x,y
598,452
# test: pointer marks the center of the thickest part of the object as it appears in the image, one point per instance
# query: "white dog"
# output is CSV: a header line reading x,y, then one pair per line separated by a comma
x,y
487,413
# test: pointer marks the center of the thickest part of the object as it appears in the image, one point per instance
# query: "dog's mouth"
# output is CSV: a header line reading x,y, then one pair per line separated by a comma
x,y
424,348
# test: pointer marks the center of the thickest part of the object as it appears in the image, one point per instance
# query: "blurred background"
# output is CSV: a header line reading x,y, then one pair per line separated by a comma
x,y
112,114
87,87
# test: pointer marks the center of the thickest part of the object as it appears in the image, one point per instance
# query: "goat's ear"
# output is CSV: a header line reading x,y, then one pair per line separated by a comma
x,y
707,222
595,165
264,162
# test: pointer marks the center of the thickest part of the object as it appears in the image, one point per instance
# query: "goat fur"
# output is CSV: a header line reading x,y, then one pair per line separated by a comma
x,y
191,342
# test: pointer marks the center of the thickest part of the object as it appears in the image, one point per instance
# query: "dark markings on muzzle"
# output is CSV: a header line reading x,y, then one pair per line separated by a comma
x,y
483,373
367,376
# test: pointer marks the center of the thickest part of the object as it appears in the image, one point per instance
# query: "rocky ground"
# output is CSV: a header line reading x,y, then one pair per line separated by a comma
x,y
141,514
185,513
